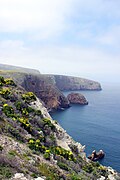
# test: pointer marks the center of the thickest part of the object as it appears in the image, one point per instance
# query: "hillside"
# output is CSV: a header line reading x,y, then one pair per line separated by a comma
x,y
33,145
18,69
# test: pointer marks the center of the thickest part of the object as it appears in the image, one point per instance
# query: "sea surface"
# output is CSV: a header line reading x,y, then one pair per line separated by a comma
x,y
96,125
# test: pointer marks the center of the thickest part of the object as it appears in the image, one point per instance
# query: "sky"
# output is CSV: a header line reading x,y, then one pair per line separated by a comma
x,y
69,37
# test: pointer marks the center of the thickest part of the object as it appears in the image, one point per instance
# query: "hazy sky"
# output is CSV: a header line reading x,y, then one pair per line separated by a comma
x,y
74,37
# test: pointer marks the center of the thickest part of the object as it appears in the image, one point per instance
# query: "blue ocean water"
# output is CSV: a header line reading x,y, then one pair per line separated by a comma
x,y
96,125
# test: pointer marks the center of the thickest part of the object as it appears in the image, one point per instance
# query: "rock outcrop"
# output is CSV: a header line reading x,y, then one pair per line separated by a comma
x,y
77,98
68,83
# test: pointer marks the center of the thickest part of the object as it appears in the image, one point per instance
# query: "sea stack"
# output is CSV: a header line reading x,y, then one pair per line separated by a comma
x,y
77,98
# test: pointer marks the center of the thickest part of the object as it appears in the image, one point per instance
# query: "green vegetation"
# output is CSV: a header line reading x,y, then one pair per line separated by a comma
x,y
12,153
29,97
63,166
36,145
1,81
68,155
5,93
14,133
47,155
10,82
49,172
6,82
5,172
88,168
9,111
1,148
48,122
25,123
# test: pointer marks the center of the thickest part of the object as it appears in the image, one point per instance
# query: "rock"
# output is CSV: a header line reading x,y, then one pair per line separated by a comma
x,y
77,98
39,178
101,178
111,177
19,176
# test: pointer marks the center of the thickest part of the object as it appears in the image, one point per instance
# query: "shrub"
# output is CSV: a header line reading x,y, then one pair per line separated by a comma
x,y
49,172
12,153
68,155
48,122
47,155
88,168
63,166
15,133
29,97
5,172
5,93
19,105
36,145
9,82
1,148
103,170
25,123
1,81
24,109
9,111
38,113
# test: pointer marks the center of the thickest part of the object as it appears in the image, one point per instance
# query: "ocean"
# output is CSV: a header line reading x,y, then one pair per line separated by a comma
x,y
96,125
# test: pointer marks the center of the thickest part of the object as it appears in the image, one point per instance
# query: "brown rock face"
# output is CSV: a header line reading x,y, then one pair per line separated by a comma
x,y
46,90
77,98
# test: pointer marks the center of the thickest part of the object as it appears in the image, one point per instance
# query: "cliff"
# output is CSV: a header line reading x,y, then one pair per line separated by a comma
x,y
66,83
41,85
33,146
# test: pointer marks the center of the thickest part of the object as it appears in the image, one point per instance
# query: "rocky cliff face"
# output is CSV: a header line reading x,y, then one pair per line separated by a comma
x,y
42,85
75,83
46,90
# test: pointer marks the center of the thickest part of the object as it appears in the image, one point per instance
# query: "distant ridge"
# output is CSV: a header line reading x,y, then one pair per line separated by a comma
x,y
19,69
